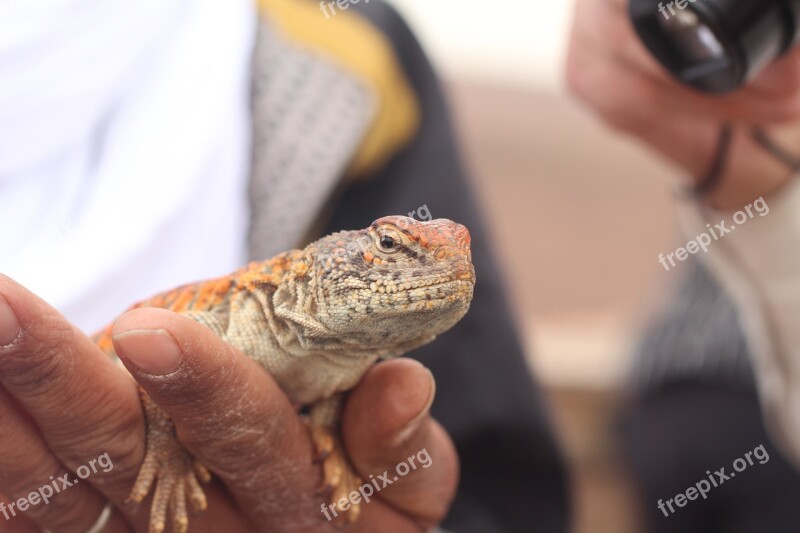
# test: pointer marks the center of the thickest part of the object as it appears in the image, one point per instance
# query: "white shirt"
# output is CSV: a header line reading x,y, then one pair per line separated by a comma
x,y
124,147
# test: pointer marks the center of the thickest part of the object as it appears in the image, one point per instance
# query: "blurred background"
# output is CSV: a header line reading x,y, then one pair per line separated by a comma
x,y
578,215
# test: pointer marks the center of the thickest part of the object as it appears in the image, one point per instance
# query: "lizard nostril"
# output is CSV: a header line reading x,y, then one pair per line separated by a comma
x,y
464,274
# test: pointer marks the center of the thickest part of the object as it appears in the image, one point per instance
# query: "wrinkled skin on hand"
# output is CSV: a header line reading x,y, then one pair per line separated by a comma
x,y
63,403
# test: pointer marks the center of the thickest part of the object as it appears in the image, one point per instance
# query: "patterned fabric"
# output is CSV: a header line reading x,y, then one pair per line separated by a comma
x,y
309,118
695,336
330,102
362,48
512,474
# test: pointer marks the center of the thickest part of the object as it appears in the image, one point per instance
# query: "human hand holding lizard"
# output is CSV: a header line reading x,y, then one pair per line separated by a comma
x,y
64,402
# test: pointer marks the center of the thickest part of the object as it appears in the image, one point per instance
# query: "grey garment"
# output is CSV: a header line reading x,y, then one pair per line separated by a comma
x,y
512,474
309,118
695,336
513,478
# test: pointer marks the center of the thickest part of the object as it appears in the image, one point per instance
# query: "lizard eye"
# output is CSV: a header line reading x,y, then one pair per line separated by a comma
x,y
387,242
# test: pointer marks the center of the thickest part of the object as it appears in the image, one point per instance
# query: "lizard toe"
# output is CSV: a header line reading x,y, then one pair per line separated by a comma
x,y
172,470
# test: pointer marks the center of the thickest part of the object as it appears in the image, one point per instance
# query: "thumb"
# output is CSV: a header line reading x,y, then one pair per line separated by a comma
x,y
394,443
229,413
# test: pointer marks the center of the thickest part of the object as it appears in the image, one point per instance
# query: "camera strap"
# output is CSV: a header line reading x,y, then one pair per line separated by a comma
x,y
717,171
764,140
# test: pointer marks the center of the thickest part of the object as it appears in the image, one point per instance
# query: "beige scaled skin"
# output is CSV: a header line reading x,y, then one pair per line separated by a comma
x,y
316,319
210,402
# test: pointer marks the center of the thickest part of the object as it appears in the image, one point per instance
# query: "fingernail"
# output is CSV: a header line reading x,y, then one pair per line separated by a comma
x,y
414,424
9,325
153,351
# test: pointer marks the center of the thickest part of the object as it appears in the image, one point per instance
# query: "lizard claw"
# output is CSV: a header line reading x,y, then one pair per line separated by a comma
x,y
339,477
173,471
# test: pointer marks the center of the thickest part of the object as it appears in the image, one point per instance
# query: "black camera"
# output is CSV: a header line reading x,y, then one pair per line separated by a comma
x,y
716,45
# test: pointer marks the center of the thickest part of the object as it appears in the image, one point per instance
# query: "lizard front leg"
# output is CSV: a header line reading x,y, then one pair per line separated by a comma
x,y
339,476
167,463
173,470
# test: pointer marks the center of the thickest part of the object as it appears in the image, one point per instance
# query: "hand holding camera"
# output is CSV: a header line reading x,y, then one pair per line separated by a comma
x,y
716,45
610,69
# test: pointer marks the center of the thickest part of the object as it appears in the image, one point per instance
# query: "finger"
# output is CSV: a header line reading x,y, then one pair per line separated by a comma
x,y
388,432
83,405
609,21
16,524
32,476
606,56
228,412
607,26
624,96
781,79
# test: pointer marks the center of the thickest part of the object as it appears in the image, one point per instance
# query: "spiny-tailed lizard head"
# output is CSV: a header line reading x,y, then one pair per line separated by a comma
x,y
395,285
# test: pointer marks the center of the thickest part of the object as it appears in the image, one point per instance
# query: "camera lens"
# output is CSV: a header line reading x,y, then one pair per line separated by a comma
x,y
693,39
716,45
696,46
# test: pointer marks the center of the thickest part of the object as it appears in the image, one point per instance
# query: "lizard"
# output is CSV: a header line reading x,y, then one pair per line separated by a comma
x,y
316,319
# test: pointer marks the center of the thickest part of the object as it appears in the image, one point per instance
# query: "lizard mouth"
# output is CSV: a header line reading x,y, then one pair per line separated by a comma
x,y
466,275
390,287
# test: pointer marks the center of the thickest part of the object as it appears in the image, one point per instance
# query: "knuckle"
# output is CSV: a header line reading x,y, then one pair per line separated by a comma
x,y
23,467
32,375
27,473
116,430
631,115
66,512
8,418
33,362
125,459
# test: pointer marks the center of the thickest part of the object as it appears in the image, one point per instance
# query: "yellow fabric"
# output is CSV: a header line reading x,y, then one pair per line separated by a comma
x,y
353,43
